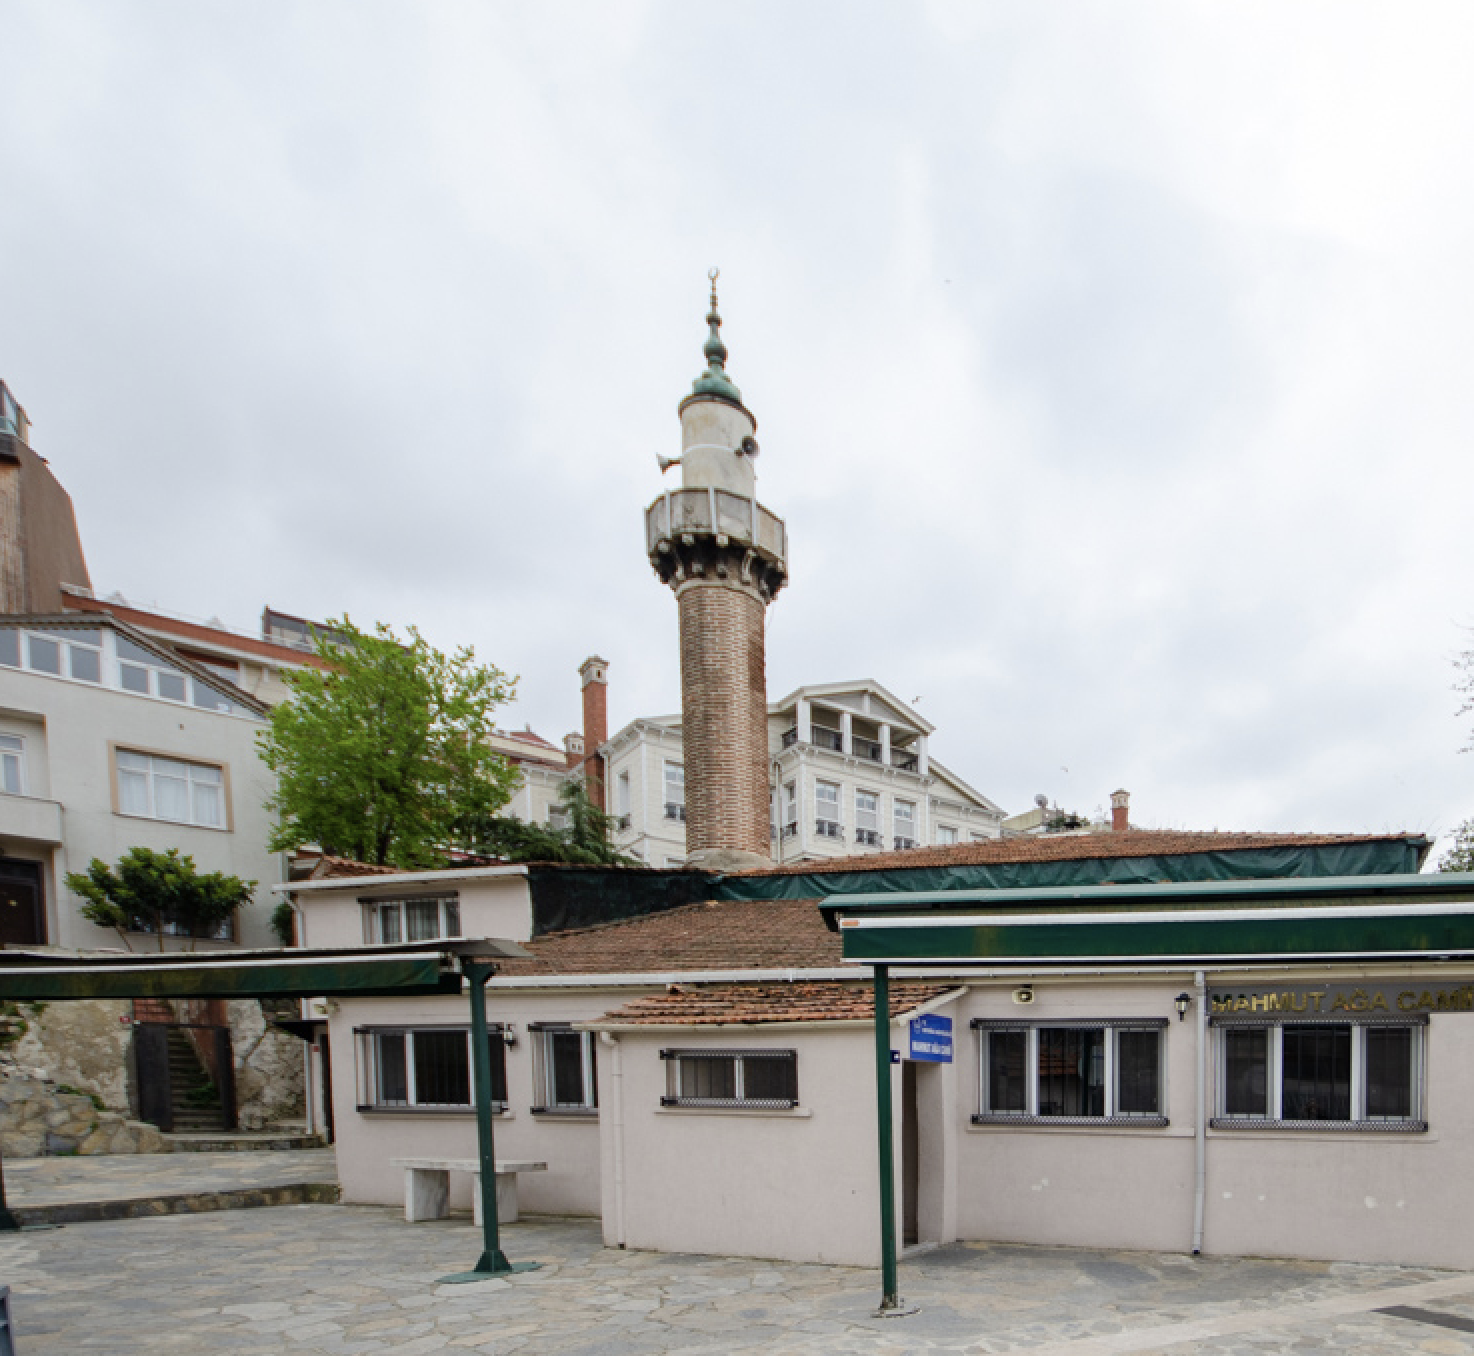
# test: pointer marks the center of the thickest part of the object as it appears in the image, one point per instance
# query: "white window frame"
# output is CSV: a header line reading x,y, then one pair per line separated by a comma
x,y
1111,1115
12,757
790,810
545,1098
151,776
867,820
908,818
369,1069
673,778
378,911
946,835
1273,1118
679,1094
829,828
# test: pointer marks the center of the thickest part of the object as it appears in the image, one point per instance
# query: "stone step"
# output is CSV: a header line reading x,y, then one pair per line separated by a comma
x,y
191,1203
236,1142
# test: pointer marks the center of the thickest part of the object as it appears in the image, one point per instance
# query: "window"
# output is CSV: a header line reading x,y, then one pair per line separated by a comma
x,y
903,815
166,788
1366,1074
558,819
790,810
425,1068
675,791
867,818
142,671
946,835
622,796
761,1080
826,810
1071,1073
12,765
63,651
564,1069
413,920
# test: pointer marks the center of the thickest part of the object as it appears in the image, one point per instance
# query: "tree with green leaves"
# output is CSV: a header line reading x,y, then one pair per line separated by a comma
x,y
1459,855
586,839
381,753
158,892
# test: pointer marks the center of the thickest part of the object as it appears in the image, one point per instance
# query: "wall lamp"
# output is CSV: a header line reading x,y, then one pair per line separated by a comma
x,y
1182,1003
509,1034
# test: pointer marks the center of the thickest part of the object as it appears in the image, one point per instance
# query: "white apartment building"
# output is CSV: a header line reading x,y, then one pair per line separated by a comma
x,y
110,740
851,772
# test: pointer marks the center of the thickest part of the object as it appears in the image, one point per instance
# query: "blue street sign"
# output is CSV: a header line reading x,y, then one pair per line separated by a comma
x,y
931,1039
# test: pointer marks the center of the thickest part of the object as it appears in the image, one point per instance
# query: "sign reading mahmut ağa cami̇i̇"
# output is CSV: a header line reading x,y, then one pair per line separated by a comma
x,y
1341,1000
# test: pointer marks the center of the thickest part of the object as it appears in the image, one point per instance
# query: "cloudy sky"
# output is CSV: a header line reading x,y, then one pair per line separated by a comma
x,y
1111,361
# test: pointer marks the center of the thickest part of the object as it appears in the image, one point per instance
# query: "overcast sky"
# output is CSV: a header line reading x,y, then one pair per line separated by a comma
x,y
1111,361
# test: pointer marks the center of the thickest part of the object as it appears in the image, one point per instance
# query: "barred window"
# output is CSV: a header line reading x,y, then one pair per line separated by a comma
x,y
1078,1072
1355,1074
565,1071
753,1079
425,1068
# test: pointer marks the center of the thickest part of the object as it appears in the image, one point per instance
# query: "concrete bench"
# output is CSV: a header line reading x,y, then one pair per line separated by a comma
x,y
427,1186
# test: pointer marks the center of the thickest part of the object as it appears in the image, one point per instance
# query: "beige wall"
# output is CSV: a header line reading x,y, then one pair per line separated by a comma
x,y
491,905
797,1185
367,1141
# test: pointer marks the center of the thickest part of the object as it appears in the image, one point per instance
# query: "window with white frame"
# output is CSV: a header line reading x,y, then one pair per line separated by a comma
x,y
1360,1074
143,672
622,796
790,809
759,1080
425,1068
62,651
946,835
168,788
675,791
564,1069
826,810
421,919
867,818
558,817
903,816
1107,1071
12,765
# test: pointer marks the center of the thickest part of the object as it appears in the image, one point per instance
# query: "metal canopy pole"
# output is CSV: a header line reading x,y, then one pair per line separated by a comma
x,y
890,1301
493,1261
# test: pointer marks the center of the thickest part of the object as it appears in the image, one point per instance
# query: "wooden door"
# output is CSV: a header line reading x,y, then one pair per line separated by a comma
x,y
22,917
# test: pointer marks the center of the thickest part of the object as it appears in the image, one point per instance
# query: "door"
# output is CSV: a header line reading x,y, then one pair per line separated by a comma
x,y
22,915
155,1095
910,1158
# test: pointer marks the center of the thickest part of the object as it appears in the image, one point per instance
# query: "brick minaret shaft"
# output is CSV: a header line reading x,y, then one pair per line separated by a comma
x,y
725,557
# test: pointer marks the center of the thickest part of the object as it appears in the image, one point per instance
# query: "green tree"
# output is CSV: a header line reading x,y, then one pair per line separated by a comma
x,y
156,891
1459,856
383,752
585,841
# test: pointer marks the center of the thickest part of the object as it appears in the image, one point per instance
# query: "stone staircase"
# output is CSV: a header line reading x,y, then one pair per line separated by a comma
x,y
188,1080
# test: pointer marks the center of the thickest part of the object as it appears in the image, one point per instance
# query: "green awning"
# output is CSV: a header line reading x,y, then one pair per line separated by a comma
x,y
1369,918
432,968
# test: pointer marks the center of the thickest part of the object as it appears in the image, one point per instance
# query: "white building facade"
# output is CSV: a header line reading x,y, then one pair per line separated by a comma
x,y
851,772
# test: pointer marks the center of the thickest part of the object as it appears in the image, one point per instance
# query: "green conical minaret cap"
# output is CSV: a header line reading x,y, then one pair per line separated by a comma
x,y
715,381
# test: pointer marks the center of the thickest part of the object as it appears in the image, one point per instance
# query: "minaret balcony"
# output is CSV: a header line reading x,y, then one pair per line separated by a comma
x,y
703,531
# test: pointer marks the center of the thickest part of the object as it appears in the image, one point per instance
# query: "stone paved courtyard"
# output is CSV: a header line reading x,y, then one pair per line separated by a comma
x,y
334,1279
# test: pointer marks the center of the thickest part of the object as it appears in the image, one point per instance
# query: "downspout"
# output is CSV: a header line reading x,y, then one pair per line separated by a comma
x,y
616,1090
1200,1131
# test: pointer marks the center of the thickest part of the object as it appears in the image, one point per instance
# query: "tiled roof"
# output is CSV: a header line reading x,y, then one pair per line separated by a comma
x,y
751,1004
328,865
736,934
1069,847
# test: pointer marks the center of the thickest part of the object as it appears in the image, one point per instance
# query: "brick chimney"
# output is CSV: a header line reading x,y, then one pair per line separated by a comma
x,y
1120,811
595,674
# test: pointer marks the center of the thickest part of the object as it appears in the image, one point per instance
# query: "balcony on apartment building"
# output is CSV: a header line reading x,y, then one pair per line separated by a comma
x,y
864,746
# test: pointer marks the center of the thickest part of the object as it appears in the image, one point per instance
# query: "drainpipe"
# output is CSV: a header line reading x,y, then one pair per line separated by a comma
x,y
1200,1133
616,1115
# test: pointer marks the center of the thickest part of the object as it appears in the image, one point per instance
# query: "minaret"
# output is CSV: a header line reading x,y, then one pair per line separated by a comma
x,y
725,557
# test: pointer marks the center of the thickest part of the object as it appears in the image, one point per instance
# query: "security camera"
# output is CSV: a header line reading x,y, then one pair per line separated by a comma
x,y
748,447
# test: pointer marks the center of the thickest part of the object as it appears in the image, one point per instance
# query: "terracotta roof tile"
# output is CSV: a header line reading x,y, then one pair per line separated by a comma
x,y
1069,847
736,934
751,1004
328,865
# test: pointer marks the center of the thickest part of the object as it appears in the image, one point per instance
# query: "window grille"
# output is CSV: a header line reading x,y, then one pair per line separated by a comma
x,y
1105,1071
759,1080
425,1068
564,1069
1356,1073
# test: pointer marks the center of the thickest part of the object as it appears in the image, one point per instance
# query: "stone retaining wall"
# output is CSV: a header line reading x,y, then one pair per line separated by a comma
x,y
38,1118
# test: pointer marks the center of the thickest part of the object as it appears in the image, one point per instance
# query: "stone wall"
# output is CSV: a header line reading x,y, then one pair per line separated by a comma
x,y
268,1067
38,1117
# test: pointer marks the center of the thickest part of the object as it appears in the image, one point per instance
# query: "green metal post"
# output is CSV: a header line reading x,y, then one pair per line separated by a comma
x,y
889,1284
493,1261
